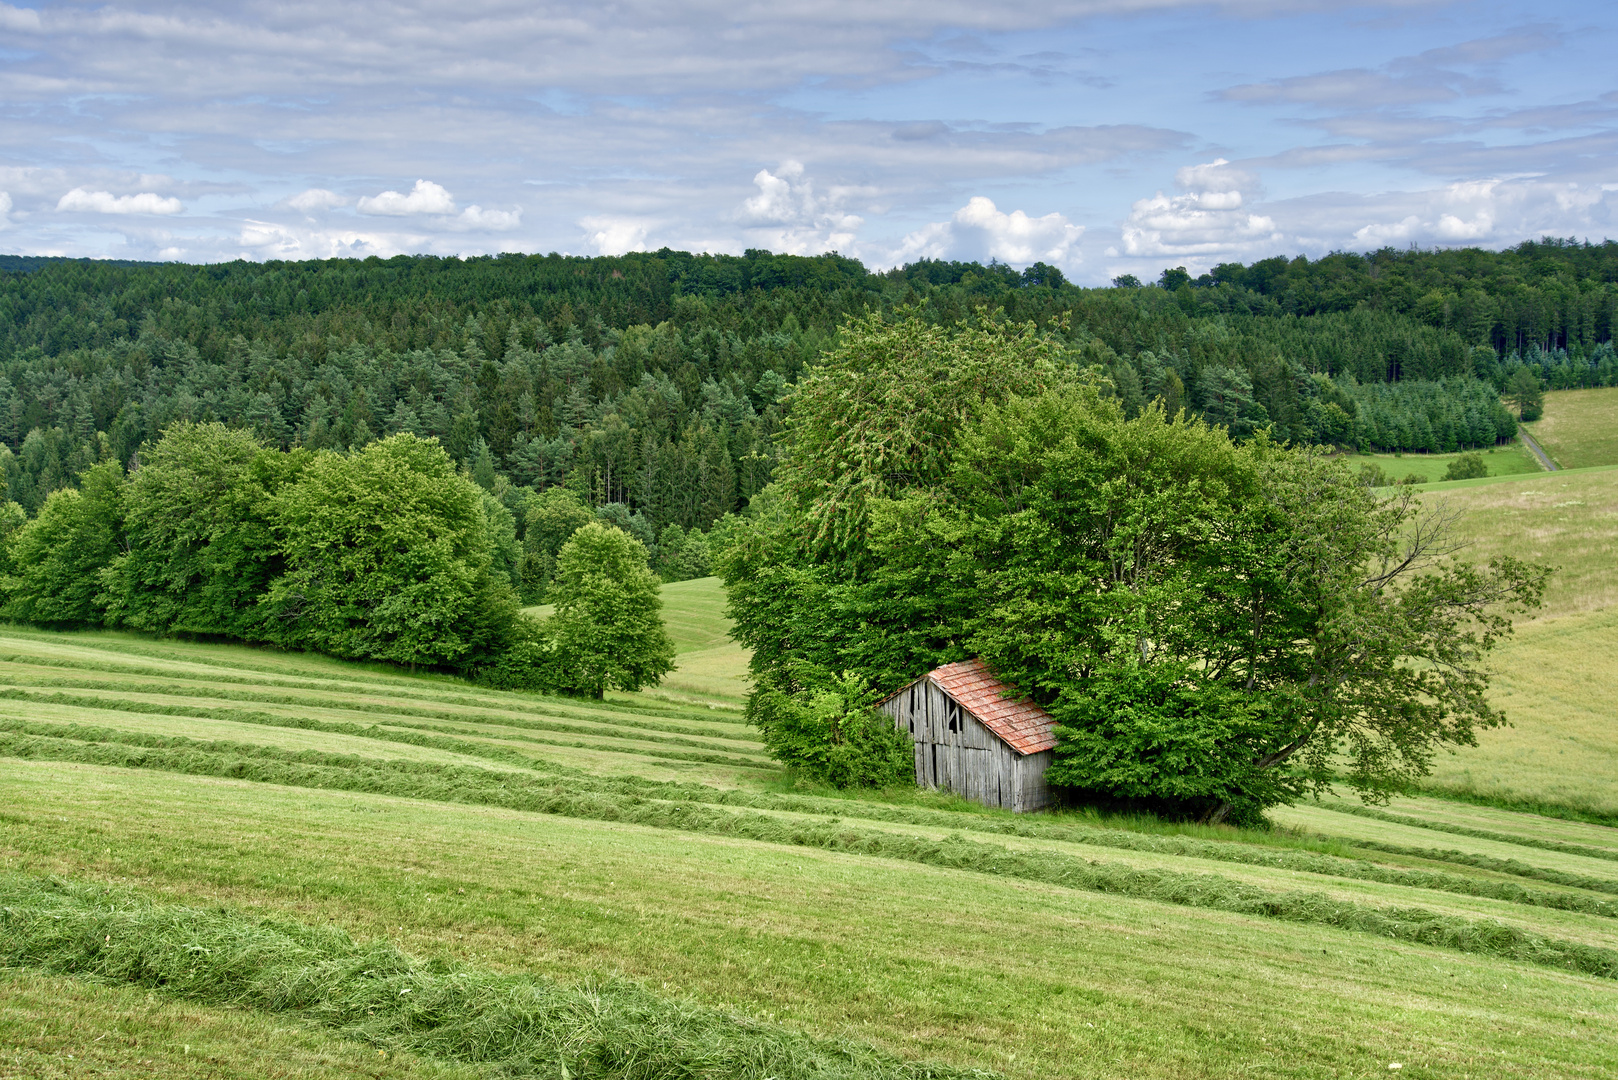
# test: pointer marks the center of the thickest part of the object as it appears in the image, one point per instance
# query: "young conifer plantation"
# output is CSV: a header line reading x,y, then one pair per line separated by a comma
x,y
468,668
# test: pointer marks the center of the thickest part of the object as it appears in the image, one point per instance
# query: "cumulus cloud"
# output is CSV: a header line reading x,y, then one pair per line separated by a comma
x,y
980,230
5,209
432,200
1209,217
474,217
614,235
317,199
425,198
789,215
81,200
1484,213
270,240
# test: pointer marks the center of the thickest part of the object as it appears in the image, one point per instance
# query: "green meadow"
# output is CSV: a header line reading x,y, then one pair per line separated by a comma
x,y
1512,460
643,856
220,861
1579,427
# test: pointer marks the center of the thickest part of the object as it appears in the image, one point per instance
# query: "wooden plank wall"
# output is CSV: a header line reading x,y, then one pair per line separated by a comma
x,y
956,752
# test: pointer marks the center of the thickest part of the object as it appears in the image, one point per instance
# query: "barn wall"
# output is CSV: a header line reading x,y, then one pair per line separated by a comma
x,y
1033,793
955,751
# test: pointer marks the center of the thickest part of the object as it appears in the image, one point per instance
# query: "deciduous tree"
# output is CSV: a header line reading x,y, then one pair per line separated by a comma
x,y
607,632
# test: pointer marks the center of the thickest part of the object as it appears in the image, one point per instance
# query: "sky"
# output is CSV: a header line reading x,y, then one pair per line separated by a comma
x,y
1101,136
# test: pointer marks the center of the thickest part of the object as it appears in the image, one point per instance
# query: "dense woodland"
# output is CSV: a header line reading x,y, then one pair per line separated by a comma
x,y
655,385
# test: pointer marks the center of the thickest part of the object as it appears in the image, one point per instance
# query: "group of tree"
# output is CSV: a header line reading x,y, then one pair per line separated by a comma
x,y
1216,625
660,380
387,552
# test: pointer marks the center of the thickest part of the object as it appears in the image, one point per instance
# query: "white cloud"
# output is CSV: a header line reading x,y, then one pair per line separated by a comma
x,y
1486,212
790,216
980,230
269,240
475,217
1207,219
105,202
614,236
430,200
425,198
5,209
317,199
1015,237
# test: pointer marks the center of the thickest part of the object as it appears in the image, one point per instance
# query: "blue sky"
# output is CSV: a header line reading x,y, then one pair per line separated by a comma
x,y
1105,136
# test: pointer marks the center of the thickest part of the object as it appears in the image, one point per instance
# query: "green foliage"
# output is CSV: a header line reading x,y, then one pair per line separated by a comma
x,y
201,549
880,413
388,558
1466,467
827,727
682,555
1163,734
1524,392
56,560
1218,627
606,633
505,550
551,519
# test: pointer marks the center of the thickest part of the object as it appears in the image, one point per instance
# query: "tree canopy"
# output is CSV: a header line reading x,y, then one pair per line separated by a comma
x,y
607,633
1216,626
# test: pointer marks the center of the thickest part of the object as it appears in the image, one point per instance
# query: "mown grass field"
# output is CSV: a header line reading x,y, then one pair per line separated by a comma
x,y
1579,427
500,836
218,861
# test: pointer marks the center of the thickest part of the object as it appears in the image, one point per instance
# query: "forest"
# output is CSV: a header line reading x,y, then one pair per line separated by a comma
x,y
655,385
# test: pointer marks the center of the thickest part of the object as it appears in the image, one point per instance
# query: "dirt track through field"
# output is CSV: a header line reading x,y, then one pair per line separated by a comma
x,y
1544,458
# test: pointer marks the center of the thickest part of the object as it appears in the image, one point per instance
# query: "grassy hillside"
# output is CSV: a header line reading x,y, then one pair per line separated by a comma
x,y
710,670
498,837
1580,427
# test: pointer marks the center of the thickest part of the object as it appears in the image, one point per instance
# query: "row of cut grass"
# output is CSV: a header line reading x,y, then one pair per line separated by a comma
x,y
1010,973
518,1025
55,1027
1165,879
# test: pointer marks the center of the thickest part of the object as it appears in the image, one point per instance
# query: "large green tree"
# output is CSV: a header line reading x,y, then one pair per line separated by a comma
x,y
56,559
1217,627
607,632
201,548
388,558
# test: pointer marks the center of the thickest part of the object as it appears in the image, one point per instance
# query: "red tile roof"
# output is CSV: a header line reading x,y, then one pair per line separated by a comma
x,y
1024,726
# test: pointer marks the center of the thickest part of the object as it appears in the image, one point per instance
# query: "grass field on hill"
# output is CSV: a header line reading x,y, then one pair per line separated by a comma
x,y
1579,428
500,836
218,861
710,670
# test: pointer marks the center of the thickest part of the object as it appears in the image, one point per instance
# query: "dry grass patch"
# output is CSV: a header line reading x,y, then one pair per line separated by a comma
x,y
1569,521
1555,682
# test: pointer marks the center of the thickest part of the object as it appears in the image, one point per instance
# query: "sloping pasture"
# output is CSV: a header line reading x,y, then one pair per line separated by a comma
x,y
506,833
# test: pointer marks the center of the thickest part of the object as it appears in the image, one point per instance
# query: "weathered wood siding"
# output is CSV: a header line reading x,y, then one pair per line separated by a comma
x,y
956,752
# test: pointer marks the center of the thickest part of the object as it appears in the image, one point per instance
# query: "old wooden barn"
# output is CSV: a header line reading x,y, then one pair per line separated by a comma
x,y
975,737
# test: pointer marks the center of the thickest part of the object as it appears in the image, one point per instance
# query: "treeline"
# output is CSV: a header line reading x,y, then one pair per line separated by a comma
x,y
386,553
656,384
